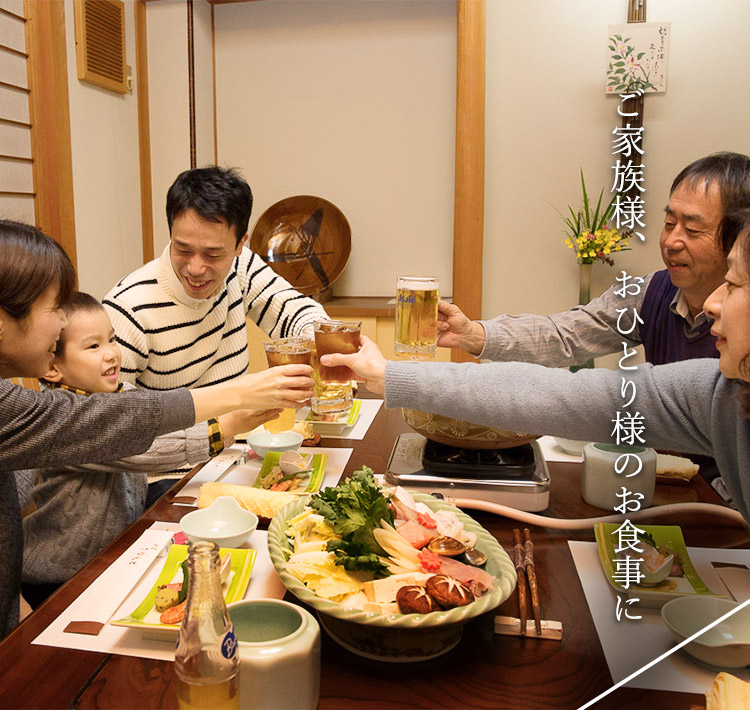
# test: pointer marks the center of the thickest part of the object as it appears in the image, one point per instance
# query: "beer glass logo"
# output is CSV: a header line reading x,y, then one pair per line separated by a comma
x,y
229,644
407,297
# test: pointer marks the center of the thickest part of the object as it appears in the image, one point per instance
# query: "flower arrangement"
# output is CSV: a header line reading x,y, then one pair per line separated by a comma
x,y
589,235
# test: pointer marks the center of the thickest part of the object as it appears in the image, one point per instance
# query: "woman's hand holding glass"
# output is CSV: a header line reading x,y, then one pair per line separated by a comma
x,y
277,387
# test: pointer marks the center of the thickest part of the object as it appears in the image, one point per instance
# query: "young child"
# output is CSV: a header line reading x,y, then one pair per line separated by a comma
x,y
78,511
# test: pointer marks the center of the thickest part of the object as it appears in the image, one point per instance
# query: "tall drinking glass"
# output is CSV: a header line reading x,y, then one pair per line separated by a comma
x,y
333,385
286,351
416,318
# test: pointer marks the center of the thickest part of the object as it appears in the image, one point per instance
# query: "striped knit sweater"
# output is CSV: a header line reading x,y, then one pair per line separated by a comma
x,y
171,340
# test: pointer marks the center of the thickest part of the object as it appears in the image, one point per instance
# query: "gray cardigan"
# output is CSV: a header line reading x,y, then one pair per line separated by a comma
x,y
79,510
687,406
40,429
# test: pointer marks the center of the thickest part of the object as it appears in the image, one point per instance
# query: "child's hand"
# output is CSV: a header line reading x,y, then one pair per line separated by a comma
x,y
242,420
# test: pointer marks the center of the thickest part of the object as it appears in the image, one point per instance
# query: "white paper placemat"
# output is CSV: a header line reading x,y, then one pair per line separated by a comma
x,y
264,583
246,473
630,645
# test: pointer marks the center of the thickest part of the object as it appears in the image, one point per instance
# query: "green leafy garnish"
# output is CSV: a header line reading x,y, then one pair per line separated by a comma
x,y
182,594
354,509
355,556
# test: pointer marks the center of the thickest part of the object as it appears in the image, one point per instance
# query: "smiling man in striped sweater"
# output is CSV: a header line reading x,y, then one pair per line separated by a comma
x,y
180,319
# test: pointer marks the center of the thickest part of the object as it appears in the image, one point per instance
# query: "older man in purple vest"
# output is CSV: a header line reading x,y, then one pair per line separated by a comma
x,y
669,304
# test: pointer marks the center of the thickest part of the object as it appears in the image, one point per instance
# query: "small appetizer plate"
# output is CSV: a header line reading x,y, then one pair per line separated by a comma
x,y
654,593
726,646
147,619
339,423
262,441
224,522
311,482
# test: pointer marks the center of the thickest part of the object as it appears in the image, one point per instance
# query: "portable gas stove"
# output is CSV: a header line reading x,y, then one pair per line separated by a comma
x,y
516,477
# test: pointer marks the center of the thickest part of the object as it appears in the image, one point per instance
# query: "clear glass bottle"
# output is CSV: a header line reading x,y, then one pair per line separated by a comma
x,y
207,660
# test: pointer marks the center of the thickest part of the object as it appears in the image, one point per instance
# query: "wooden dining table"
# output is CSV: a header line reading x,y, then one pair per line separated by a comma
x,y
484,670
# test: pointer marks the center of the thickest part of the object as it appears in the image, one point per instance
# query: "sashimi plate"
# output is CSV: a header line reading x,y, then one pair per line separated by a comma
x,y
396,638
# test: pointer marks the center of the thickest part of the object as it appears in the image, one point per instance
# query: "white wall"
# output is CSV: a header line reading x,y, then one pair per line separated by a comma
x,y
166,23
106,187
547,115
353,102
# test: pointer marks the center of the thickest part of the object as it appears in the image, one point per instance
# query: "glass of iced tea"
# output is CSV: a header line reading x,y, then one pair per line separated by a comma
x,y
286,351
416,318
333,385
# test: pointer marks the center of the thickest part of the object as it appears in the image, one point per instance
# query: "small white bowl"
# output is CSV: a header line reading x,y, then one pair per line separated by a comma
x,y
726,645
224,522
571,446
262,441
654,577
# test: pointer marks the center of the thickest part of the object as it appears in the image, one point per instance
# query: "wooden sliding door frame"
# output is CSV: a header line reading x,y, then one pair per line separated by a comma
x,y
49,112
468,215
144,129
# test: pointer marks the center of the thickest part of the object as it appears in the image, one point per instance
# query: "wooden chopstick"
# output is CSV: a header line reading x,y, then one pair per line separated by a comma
x,y
531,574
521,583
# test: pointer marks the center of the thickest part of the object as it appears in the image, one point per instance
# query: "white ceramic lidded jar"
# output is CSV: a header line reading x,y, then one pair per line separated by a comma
x,y
279,647
600,483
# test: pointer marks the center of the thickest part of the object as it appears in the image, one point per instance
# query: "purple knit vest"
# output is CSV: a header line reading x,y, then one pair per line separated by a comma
x,y
666,336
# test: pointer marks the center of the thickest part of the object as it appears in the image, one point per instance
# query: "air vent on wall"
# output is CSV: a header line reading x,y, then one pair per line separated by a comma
x,y
100,43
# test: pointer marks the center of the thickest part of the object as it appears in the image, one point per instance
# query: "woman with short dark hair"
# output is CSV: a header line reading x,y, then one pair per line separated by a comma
x,y
58,427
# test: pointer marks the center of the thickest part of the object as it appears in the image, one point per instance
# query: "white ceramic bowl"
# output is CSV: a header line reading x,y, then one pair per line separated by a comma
x,y
654,577
726,645
571,446
397,638
224,522
262,441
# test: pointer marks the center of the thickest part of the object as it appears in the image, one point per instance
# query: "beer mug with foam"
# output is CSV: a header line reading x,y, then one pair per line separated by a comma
x,y
416,318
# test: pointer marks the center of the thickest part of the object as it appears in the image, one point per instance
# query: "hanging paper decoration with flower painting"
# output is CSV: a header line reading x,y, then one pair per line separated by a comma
x,y
637,55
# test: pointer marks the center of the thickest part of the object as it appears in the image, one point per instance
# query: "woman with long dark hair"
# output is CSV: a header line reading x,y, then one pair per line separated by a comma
x,y
58,427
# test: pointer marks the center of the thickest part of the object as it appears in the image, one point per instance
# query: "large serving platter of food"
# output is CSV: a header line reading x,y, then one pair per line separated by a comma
x,y
392,574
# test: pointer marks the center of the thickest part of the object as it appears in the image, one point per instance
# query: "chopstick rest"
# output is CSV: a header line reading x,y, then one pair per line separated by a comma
x,y
523,560
510,626
110,588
